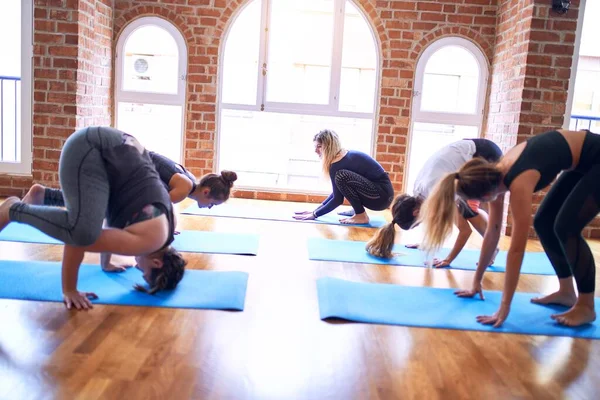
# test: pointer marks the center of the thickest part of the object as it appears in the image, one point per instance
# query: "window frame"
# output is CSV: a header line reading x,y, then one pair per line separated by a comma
x,y
331,109
24,167
178,99
446,118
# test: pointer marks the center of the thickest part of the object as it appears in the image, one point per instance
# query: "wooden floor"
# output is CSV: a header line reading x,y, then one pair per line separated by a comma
x,y
278,348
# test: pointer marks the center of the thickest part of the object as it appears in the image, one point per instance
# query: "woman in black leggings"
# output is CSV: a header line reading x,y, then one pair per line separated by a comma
x,y
355,176
572,202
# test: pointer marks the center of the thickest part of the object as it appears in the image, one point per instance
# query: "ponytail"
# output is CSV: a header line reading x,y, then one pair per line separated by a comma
x,y
438,213
381,244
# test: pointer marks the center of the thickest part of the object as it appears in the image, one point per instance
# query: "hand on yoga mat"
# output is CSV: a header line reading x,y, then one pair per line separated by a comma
x,y
472,292
79,300
437,263
115,268
497,319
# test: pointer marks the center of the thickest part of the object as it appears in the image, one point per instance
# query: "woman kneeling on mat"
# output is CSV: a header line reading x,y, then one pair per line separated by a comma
x,y
104,172
355,176
211,190
572,202
405,208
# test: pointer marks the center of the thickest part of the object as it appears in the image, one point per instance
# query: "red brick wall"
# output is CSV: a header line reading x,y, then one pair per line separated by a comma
x,y
94,91
73,78
530,76
55,51
404,29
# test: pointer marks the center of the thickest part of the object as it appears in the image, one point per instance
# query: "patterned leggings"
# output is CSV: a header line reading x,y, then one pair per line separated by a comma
x,y
362,192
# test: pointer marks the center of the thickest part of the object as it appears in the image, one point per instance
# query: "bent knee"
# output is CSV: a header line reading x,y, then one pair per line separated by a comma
x,y
341,175
84,237
543,225
565,230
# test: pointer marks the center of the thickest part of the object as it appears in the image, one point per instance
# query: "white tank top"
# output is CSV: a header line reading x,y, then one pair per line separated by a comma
x,y
447,160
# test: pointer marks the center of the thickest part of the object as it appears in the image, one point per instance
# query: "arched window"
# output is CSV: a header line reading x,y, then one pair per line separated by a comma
x,y
449,96
150,87
288,70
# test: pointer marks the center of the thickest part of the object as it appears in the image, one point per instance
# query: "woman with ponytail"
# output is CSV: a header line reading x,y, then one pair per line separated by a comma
x,y
355,176
572,202
406,208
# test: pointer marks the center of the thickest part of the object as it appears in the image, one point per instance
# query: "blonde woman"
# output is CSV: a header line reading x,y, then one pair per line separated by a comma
x,y
572,202
355,176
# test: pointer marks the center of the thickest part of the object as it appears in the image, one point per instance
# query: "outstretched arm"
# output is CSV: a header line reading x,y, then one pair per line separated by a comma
x,y
335,200
464,233
72,258
491,237
488,248
520,205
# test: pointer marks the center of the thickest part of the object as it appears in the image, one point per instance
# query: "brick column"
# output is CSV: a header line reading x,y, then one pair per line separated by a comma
x,y
531,71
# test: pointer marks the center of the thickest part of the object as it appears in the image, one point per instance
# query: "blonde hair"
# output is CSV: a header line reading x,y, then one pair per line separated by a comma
x,y
437,214
330,147
476,179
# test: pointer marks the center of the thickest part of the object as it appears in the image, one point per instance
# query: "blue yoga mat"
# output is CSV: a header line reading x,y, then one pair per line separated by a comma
x,y
186,241
536,263
273,214
438,308
41,281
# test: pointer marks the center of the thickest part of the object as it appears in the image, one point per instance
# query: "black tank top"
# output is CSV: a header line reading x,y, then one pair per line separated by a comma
x,y
548,153
134,183
166,168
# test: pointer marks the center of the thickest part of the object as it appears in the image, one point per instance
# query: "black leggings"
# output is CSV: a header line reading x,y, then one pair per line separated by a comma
x,y
572,202
362,192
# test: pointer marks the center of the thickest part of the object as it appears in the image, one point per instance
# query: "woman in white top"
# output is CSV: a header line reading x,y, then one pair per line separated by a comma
x,y
405,208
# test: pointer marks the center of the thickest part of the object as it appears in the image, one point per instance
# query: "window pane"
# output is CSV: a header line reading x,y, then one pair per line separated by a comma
x,y
357,84
300,51
275,150
450,81
240,61
151,61
429,138
10,82
156,126
590,30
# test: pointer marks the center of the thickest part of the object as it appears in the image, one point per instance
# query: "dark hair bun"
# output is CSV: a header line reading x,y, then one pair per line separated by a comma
x,y
229,176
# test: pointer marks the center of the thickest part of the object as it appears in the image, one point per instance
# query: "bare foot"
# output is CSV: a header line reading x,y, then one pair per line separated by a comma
x,y
560,298
347,213
35,196
357,219
4,208
578,315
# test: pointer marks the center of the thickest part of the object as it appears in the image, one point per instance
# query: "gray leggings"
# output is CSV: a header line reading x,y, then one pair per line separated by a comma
x,y
85,186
